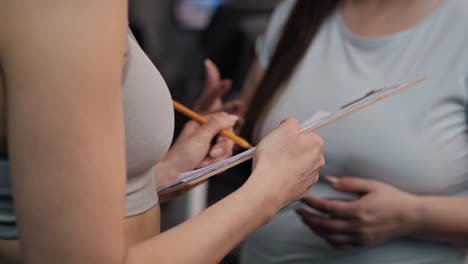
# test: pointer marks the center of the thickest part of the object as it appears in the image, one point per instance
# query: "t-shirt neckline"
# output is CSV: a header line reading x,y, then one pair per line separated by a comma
x,y
382,40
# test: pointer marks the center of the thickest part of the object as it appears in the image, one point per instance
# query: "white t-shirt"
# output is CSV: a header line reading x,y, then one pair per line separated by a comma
x,y
416,140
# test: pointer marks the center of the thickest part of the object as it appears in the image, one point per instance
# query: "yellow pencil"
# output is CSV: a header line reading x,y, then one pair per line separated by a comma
x,y
226,133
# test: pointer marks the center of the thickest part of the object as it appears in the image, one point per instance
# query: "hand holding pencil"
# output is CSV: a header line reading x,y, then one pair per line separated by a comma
x,y
197,117
194,147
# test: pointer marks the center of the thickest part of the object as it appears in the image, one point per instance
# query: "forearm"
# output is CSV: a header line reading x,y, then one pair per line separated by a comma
x,y
209,236
206,238
441,218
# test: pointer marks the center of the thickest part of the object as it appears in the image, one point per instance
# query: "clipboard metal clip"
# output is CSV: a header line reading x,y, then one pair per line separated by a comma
x,y
362,98
378,90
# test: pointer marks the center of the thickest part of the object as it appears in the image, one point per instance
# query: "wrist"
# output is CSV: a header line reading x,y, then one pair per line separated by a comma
x,y
412,215
166,171
178,160
264,194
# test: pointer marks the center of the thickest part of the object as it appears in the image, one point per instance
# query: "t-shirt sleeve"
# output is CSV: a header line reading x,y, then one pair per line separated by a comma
x,y
266,42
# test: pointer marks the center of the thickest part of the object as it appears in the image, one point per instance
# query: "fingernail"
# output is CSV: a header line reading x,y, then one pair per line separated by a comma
x,y
208,61
204,164
331,179
216,152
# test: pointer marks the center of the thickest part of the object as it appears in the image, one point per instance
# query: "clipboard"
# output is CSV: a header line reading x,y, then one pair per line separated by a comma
x,y
192,178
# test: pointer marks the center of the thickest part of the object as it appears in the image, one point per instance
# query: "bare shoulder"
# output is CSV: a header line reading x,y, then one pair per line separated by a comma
x,y
30,33
62,62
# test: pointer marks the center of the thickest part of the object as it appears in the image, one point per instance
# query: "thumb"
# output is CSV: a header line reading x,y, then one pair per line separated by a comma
x,y
350,184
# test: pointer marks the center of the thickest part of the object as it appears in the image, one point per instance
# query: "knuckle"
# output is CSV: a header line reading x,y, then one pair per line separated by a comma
x,y
223,116
321,161
291,122
315,178
362,216
191,125
315,142
320,142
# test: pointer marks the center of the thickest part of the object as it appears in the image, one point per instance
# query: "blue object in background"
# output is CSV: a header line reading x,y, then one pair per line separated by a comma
x,y
195,14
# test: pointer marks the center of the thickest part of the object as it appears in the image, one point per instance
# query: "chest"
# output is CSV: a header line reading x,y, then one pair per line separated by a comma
x,y
149,117
416,140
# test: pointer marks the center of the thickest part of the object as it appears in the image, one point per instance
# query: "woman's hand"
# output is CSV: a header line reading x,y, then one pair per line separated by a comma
x,y
286,163
193,148
211,100
381,213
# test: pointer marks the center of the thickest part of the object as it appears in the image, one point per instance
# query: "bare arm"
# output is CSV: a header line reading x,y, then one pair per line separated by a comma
x,y
212,234
439,217
63,62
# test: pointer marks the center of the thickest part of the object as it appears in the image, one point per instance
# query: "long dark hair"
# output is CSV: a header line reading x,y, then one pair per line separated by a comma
x,y
303,24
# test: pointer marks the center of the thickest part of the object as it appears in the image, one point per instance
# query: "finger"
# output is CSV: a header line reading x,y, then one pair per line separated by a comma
x,y
222,149
206,162
215,124
212,101
212,76
332,207
210,161
337,241
328,224
350,184
226,143
226,85
189,129
343,241
213,90
234,107
291,123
